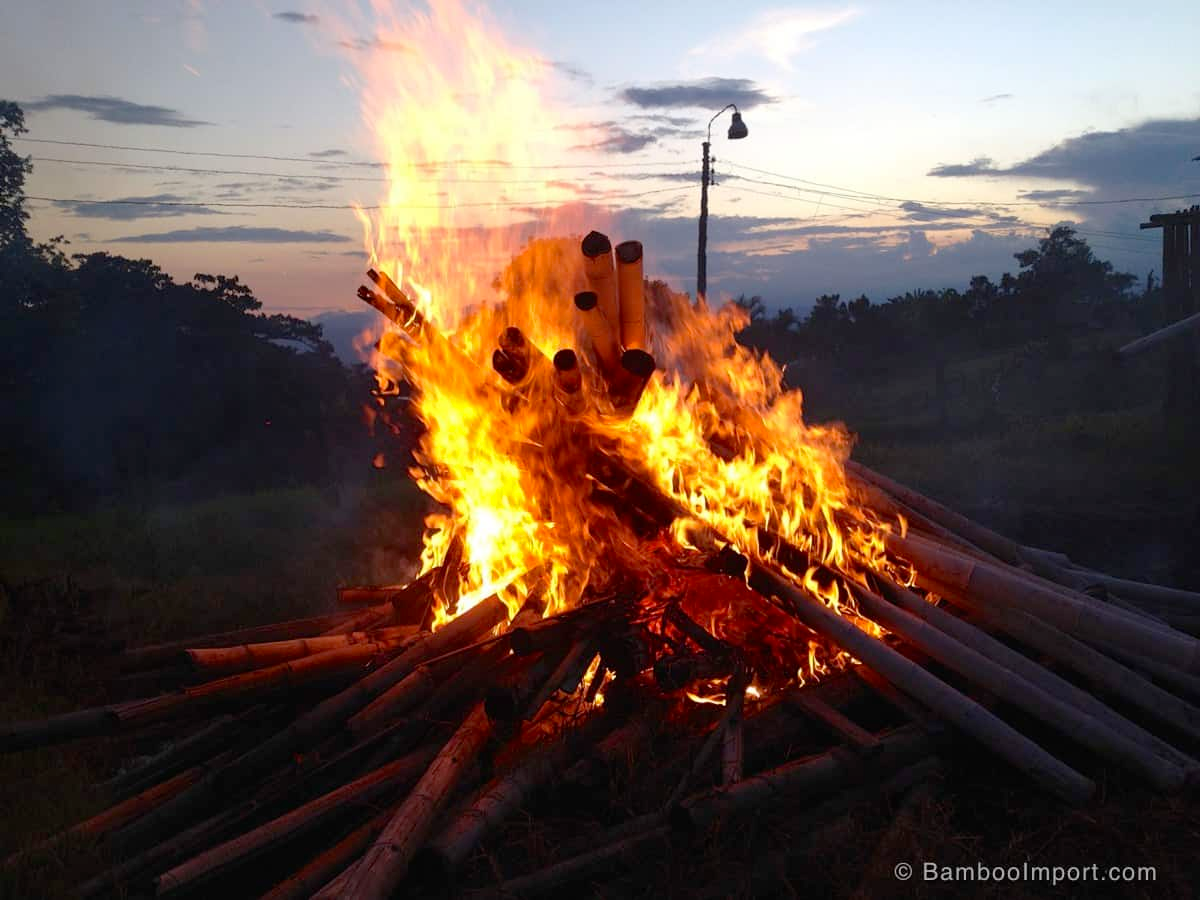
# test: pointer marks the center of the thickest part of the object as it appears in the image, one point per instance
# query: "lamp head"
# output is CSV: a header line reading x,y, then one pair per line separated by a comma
x,y
737,128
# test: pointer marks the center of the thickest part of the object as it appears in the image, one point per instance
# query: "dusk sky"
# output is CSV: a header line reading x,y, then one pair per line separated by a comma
x,y
892,146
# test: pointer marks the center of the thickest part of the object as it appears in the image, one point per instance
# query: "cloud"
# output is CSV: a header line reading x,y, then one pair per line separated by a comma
x,y
126,209
1058,195
1151,157
115,110
374,43
326,154
297,18
923,213
235,234
778,35
980,165
996,98
572,71
705,93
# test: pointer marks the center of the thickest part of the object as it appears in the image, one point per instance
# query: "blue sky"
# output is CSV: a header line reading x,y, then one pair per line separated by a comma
x,y
877,131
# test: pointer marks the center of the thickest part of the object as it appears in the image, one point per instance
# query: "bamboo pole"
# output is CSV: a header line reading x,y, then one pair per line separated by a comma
x,y
255,683
1106,673
360,793
602,278
503,796
803,778
631,290
996,586
244,658
735,698
329,863
812,706
156,655
733,745
603,333
1070,721
1036,674
115,816
321,721
568,382
630,382
383,866
965,714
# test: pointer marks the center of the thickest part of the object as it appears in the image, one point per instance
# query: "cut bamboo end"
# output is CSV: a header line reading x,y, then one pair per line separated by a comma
x,y
626,389
632,293
602,277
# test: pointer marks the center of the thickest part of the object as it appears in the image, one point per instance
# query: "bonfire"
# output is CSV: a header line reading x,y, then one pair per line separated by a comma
x,y
633,524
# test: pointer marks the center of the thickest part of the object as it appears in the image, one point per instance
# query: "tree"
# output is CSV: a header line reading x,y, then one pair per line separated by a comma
x,y
13,169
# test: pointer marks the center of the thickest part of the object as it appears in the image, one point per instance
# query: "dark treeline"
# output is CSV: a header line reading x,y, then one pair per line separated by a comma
x,y
1060,290
116,380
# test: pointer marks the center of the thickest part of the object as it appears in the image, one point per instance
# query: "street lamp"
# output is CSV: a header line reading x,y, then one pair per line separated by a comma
x,y
737,131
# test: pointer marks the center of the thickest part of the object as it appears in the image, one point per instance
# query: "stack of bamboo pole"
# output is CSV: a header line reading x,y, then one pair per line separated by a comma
x,y
408,747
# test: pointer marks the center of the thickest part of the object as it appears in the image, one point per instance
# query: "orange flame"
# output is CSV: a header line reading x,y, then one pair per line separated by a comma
x,y
715,429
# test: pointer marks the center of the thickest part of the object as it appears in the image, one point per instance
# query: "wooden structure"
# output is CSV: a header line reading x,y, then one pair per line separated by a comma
x,y
1181,294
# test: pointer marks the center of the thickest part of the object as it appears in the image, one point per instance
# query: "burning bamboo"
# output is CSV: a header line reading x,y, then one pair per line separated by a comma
x,y
568,382
380,870
626,389
602,278
603,333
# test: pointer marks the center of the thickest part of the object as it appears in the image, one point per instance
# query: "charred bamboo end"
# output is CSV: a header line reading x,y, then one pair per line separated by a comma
x,y
596,244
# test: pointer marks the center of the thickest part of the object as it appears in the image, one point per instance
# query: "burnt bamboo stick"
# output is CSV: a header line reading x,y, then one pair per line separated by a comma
x,y
996,586
568,382
1069,720
1036,674
359,793
329,863
733,743
673,673
382,867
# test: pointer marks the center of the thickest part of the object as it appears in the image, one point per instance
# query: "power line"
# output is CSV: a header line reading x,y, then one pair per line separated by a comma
x,y
241,205
435,164
303,175
856,194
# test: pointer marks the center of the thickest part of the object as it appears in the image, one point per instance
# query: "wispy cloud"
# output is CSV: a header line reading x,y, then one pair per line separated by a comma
x,y
326,154
374,43
297,18
190,70
115,110
980,165
235,234
778,35
996,98
127,209
704,93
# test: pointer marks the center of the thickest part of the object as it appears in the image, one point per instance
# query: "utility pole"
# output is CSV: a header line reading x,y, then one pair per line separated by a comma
x,y
702,246
737,131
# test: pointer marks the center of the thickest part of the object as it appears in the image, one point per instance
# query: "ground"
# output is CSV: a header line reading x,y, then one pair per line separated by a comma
x,y
1072,455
